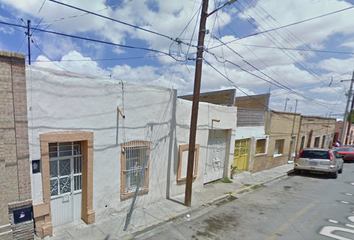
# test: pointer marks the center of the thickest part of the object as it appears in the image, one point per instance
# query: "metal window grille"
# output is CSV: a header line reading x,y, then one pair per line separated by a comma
x,y
65,168
135,156
261,146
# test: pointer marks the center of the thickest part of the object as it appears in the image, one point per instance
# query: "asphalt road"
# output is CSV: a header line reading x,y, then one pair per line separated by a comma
x,y
296,207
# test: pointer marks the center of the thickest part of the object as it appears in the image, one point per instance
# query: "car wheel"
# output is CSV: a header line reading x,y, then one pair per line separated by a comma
x,y
335,175
340,170
297,171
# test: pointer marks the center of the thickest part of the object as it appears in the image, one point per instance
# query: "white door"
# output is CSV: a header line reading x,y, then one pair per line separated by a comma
x,y
65,183
214,168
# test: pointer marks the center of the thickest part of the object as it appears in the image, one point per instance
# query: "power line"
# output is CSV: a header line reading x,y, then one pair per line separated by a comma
x,y
112,19
89,39
34,42
293,57
280,85
97,59
288,25
233,84
254,67
297,49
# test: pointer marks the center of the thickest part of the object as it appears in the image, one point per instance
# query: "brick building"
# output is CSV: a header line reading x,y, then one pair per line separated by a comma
x,y
15,186
316,132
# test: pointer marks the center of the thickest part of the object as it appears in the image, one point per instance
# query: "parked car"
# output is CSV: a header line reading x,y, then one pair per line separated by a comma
x,y
347,153
319,160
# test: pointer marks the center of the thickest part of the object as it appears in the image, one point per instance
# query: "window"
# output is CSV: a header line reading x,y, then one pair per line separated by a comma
x,y
302,144
65,165
323,141
183,162
278,148
314,154
317,142
134,155
309,139
261,146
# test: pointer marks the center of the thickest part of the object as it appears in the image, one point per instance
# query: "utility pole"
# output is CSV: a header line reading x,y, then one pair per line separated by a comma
x,y
292,145
350,121
29,41
196,93
286,101
195,105
346,109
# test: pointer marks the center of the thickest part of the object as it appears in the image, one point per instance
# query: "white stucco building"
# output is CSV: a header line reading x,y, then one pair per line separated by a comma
x,y
91,136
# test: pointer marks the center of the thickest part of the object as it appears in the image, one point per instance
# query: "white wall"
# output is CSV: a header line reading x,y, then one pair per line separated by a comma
x,y
207,112
248,132
61,101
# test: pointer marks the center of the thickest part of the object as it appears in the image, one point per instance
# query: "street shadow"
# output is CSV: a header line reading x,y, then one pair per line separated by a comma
x,y
176,201
309,174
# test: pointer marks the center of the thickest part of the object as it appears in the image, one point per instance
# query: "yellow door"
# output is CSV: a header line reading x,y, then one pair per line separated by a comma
x,y
241,154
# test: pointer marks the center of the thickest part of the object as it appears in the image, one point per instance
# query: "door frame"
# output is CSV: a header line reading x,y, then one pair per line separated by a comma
x,y
42,212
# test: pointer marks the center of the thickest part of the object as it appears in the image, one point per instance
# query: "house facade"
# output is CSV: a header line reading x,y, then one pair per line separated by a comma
x,y
316,132
251,140
282,129
93,137
15,186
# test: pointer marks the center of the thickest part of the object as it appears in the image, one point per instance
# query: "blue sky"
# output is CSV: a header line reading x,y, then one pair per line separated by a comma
x,y
295,62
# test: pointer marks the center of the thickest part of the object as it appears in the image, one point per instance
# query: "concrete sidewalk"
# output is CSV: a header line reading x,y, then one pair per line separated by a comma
x,y
153,215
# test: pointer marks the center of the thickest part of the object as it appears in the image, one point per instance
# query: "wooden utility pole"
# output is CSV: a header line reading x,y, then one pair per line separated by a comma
x,y
292,144
29,41
342,138
195,105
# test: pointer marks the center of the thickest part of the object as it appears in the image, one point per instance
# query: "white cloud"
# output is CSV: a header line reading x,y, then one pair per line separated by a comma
x,y
336,65
180,19
74,62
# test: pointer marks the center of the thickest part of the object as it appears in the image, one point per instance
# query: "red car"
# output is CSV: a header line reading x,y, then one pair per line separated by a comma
x,y
346,152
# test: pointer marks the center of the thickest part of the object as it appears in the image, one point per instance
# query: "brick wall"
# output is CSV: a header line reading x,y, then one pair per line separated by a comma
x,y
224,97
259,102
15,182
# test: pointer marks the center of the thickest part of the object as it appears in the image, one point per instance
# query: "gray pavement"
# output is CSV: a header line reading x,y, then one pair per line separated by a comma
x,y
157,214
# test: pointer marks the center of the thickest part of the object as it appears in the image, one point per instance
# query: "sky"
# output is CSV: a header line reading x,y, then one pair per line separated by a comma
x,y
301,52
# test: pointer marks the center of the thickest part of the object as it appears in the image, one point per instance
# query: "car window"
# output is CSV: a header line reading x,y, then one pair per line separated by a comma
x,y
336,154
343,149
315,154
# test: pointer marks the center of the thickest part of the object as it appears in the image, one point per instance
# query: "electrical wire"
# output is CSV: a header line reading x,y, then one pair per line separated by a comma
x,y
97,59
112,19
40,9
288,25
290,38
250,96
46,55
297,49
89,39
251,65
278,85
293,57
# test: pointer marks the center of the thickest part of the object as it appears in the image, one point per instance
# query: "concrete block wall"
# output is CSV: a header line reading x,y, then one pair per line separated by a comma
x,y
15,185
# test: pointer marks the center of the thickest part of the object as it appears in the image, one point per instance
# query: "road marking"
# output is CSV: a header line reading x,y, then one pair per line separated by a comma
x,y
349,194
349,225
288,223
332,221
328,231
344,202
352,183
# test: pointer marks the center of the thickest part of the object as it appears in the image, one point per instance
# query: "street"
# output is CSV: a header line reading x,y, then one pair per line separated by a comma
x,y
306,206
